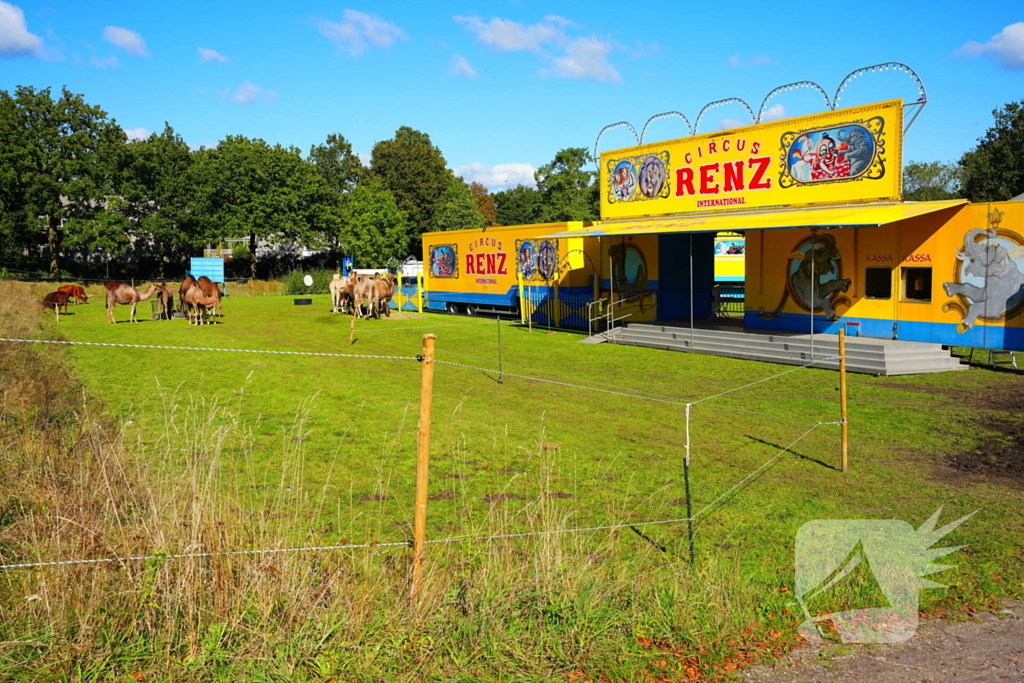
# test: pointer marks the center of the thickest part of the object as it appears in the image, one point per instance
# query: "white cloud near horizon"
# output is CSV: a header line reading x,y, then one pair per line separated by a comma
x,y
207,55
359,30
15,38
250,93
585,58
1006,48
498,177
138,133
460,66
126,40
776,112
736,62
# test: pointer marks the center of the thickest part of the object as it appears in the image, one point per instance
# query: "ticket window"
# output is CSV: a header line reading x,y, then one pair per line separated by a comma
x,y
878,283
917,284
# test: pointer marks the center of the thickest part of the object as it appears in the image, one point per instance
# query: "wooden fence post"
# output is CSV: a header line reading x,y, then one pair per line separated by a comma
x,y
842,395
419,525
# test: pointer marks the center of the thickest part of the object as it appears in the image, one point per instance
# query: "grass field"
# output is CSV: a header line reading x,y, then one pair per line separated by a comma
x,y
293,450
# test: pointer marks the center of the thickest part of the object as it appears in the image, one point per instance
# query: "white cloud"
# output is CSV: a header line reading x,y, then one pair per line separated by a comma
x,y
585,58
1006,48
127,40
359,30
137,133
15,39
462,67
249,93
498,177
511,36
775,112
208,55
105,62
736,62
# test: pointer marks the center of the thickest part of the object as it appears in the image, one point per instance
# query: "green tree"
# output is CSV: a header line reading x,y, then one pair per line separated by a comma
x,y
155,183
569,190
927,181
484,203
373,230
335,161
519,205
994,170
415,172
457,210
247,188
58,159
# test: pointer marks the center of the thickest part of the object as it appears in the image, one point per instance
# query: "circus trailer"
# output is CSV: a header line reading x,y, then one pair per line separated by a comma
x,y
491,270
829,242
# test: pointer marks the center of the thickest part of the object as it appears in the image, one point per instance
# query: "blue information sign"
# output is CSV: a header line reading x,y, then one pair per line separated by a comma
x,y
212,268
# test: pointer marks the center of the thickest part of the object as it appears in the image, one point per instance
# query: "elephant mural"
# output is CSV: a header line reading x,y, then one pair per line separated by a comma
x,y
994,264
805,285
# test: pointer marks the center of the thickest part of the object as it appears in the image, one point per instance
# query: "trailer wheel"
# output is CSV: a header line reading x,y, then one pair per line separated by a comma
x,y
470,309
452,308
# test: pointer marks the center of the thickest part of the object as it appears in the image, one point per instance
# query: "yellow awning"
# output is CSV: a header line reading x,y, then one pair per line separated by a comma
x,y
849,215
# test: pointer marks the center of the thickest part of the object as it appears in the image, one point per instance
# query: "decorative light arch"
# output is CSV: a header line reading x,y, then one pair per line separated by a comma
x,y
793,86
712,105
665,115
597,143
916,106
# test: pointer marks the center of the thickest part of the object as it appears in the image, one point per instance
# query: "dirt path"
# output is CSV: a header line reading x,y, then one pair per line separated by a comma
x,y
988,649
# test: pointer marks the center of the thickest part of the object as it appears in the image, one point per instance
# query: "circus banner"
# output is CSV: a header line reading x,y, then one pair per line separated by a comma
x,y
839,157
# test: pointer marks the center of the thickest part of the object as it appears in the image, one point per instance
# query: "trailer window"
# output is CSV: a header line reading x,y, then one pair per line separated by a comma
x,y
917,284
878,283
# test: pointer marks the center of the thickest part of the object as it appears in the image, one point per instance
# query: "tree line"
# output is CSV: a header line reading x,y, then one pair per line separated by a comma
x,y
77,196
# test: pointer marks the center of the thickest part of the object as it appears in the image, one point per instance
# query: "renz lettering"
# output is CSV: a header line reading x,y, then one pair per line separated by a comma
x,y
724,177
487,264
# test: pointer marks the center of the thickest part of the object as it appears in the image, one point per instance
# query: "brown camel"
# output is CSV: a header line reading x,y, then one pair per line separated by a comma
x,y
186,285
211,290
198,302
365,292
111,285
385,290
166,299
126,294
76,292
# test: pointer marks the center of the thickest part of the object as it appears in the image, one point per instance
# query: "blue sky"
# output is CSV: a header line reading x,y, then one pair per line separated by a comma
x,y
500,87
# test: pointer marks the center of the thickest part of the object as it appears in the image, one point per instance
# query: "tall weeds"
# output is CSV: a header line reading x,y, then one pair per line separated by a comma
x,y
75,486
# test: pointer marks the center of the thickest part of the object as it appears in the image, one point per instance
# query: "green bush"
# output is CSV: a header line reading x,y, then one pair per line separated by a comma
x,y
293,282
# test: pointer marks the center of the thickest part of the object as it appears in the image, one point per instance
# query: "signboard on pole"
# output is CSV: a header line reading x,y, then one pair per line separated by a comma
x,y
212,268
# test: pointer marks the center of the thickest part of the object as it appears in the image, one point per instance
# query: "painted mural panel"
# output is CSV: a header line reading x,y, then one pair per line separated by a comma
x,y
814,278
444,261
840,157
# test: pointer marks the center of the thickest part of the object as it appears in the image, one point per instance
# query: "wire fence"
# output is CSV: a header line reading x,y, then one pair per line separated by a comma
x,y
587,386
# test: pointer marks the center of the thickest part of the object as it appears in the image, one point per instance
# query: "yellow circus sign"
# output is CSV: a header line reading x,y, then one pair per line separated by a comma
x,y
840,157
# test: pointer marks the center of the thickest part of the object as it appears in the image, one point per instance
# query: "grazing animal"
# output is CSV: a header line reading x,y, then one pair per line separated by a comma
x,y
75,292
56,300
365,293
211,290
186,285
198,304
166,299
126,294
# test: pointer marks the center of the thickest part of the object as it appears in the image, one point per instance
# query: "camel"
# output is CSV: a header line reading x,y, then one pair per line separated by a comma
x,y
365,292
166,299
75,292
337,288
385,287
210,289
186,285
56,300
111,285
126,294
195,300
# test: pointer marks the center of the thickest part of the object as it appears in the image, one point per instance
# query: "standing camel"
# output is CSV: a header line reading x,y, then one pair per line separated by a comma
x,y
365,292
126,294
186,285
211,290
196,301
337,288
166,299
